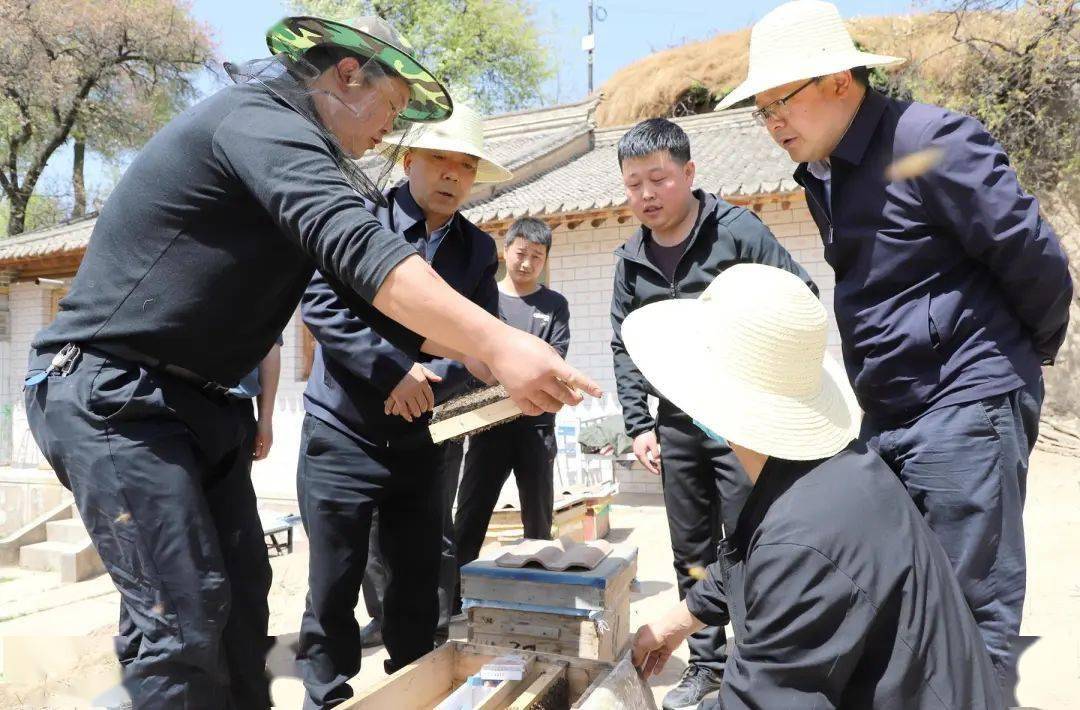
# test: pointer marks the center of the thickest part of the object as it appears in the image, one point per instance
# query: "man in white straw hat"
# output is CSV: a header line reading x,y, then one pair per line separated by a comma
x,y
838,593
687,237
951,291
365,451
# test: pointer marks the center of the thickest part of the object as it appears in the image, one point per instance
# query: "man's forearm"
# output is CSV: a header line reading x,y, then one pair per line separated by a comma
x,y
415,296
269,375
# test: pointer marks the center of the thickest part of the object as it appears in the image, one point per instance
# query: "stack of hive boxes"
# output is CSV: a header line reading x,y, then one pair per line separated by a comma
x,y
581,613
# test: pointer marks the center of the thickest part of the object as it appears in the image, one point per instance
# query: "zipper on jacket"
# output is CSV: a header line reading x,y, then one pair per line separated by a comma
x,y
824,213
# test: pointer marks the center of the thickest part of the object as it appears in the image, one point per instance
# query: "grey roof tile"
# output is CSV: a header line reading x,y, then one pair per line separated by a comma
x,y
734,157
47,242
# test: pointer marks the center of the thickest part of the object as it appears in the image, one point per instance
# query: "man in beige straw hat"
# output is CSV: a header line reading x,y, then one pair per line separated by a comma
x,y
368,470
838,593
951,291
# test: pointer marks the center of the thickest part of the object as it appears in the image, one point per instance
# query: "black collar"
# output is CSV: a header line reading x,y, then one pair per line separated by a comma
x,y
852,147
409,213
706,204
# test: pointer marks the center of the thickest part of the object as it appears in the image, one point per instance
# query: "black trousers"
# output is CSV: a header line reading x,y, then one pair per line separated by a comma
x,y
965,467
341,481
519,446
705,488
160,473
376,575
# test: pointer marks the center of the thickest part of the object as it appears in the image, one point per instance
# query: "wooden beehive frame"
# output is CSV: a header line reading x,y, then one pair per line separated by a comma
x,y
426,682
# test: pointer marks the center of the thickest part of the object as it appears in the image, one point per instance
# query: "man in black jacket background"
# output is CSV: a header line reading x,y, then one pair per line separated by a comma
x,y
687,238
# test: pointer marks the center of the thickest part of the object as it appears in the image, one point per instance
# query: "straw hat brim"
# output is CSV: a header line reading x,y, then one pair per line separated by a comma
x,y
770,78
665,341
487,170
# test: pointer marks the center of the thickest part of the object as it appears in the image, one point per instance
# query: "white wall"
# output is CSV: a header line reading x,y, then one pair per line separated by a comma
x,y
581,266
31,310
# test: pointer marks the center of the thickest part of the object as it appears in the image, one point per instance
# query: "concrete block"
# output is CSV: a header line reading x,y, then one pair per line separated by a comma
x,y
71,531
81,564
45,556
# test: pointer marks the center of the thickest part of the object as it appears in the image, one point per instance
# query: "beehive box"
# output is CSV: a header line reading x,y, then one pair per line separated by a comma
x,y
553,682
582,613
568,521
580,513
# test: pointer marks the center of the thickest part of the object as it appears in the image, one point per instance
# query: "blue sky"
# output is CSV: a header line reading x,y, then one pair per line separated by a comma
x,y
631,29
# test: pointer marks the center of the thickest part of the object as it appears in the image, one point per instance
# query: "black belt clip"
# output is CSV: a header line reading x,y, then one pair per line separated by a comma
x,y
216,389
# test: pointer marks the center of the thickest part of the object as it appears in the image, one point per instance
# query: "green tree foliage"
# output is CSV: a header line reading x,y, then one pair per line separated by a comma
x,y
105,73
43,211
488,52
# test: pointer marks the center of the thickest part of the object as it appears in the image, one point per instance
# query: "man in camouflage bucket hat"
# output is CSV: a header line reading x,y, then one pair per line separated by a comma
x,y
373,38
196,263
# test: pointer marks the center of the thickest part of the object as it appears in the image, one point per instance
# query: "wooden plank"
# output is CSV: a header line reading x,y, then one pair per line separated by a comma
x,y
481,418
422,683
539,689
504,691
429,680
621,688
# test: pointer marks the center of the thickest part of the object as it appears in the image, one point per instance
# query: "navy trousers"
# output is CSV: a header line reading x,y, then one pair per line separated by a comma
x,y
519,446
377,575
341,481
160,473
965,466
705,488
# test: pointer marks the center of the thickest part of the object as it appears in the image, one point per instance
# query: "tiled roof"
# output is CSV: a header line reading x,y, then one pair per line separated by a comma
x,y
513,150
62,239
734,157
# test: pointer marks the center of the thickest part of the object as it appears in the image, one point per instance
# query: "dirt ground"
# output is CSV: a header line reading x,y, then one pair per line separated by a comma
x,y
57,640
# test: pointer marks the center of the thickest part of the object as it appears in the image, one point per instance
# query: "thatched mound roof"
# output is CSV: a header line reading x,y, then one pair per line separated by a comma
x,y
654,85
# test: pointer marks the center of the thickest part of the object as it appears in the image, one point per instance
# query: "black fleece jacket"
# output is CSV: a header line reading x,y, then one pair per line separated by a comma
x,y
723,235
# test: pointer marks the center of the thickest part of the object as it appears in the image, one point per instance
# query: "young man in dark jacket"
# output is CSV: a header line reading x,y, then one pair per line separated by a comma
x,y
951,293
687,238
526,445
838,594
365,445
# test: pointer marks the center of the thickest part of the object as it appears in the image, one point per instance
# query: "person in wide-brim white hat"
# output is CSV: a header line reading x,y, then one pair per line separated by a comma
x,y
802,39
831,571
747,361
462,132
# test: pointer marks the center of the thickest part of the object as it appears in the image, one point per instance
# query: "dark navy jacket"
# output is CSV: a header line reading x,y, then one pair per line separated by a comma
x,y
840,596
949,286
356,368
722,236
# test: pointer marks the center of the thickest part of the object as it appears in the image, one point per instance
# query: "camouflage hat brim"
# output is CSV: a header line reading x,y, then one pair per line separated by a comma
x,y
428,99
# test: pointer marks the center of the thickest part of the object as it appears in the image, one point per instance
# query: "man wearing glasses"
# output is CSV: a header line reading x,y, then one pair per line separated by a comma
x,y
951,291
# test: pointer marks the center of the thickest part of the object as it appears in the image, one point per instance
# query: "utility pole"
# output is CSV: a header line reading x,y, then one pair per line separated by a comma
x,y
588,43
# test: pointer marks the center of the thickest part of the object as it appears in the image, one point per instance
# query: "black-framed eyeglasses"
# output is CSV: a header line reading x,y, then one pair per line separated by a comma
x,y
774,109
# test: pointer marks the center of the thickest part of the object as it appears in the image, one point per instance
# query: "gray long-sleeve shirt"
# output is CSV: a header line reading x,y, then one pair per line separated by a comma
x,y
544,313
840,596
203,250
